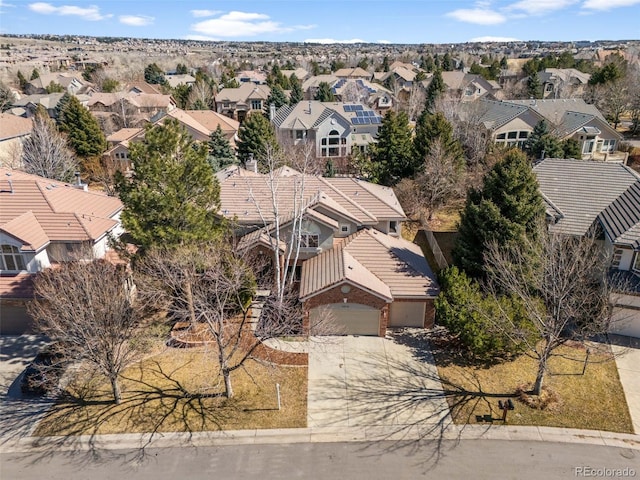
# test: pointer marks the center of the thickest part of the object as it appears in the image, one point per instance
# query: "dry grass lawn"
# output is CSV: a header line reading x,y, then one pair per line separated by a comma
x,y
594,400
180,390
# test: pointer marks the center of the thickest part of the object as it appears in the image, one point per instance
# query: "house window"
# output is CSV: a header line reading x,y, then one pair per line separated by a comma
x,y
617,256
608,146
512,135
548,87
393,226
636,264
344,228
309,240
299,134
11,258
333,140
256,104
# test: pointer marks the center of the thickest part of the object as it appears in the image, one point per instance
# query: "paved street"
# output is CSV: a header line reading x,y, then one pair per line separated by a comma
x,y
469,459
372,381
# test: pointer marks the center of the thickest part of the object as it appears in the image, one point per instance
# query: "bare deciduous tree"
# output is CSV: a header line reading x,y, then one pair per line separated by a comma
x,y
562,284
46,153
87,309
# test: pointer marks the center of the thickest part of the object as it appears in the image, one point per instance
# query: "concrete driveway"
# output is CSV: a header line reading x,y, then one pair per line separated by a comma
x,y
627,352
372,381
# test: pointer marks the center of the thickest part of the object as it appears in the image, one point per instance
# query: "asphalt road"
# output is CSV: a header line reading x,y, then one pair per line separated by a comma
x,y
469,459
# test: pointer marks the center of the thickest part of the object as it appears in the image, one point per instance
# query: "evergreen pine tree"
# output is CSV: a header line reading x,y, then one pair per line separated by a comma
x,y
35,74
277,97
447,62
6,97
173,196
542,142
324,93
62,103
393,156
22,81
534,87
296,95
83,132
431,127
571,148
434,90
221,153
256,138
153,74
508,206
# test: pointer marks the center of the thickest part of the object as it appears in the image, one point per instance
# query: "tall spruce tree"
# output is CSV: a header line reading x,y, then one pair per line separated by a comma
x,y
435,89
221,153
256,138
324,93
431,127
83,132
534,87
296,95
393,156
277,97
507,207
542,143
173,196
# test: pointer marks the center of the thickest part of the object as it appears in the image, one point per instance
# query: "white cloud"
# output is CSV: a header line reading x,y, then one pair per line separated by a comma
x,y
242,24
332,40
205,13
480,16
608,4
540,7
489,38
136,20
385,42
92,12
201,38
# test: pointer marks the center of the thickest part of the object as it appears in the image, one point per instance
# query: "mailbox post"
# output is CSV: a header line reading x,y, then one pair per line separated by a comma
x,y
505,407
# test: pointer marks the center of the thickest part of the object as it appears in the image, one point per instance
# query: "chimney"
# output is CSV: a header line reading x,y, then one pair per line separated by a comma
x,y
79,185
309,107
251,164
272,111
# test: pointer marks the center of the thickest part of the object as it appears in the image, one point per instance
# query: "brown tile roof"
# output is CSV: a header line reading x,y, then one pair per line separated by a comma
x,y
243,93
64,213
26,229
378,200
16,285
387,266
124,134
143,87
211,120
12,126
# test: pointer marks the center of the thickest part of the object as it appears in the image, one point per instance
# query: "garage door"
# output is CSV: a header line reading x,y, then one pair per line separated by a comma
x,y
407,314
350,318
626,321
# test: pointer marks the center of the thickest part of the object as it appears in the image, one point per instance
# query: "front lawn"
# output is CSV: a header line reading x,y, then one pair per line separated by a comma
x,y
180,390
594,400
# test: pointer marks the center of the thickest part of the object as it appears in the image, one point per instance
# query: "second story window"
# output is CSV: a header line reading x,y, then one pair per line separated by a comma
x,y
11,259
309,240
256,104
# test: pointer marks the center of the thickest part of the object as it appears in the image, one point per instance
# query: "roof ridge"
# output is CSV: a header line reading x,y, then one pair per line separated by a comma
x,y
343,195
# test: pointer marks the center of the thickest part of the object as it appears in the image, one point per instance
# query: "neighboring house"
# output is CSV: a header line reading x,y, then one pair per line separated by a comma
x,y
511,122
334,128
13,132
44,222
311,85
252,76
142,87
584,198
300,73
26,106
180,79
353,73
239,102
129,109
73,83
362,91
469,87
198,123
563,82
353,263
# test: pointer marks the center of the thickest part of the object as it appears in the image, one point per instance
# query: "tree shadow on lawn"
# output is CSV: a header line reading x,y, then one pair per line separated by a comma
x,y
76,421
402,396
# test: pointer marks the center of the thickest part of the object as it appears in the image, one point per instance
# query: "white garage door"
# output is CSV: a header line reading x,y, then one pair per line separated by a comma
x,y
407,314
626,322
350,318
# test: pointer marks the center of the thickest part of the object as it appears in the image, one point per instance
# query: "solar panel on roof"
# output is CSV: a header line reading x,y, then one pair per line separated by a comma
x,y
376,120
347,108
360,113
357,108
355,121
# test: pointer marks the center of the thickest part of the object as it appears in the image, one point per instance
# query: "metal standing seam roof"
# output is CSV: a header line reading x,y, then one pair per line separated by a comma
x,y
621,219
581,189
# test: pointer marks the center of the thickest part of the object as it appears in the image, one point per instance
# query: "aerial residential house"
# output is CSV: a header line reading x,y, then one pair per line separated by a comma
x,y
300,73
353,73
311,85
603,199
563,82
362,91
258,77
511,122
469,87
13,132
335,129
142,87
353,264
73,83
129,109
44,222
26,106
239,102
180,79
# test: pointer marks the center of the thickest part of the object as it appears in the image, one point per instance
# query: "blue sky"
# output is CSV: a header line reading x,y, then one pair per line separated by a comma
x,y
399,21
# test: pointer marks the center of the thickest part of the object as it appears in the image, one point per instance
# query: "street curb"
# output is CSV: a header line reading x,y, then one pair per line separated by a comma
x,y
423,432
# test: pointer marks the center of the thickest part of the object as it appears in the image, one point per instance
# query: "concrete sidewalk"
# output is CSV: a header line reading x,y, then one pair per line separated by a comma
x,y
627,354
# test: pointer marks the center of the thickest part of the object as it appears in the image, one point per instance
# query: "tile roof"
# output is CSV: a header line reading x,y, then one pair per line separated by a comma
x,y
356,72
63,212
621,219
244,92
494,114
211,120
581,189
16,285
12,126
389,267
27,230
124,134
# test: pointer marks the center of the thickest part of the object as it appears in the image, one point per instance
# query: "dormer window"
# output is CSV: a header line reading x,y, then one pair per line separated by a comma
x,y
393,226
344,228
11,259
